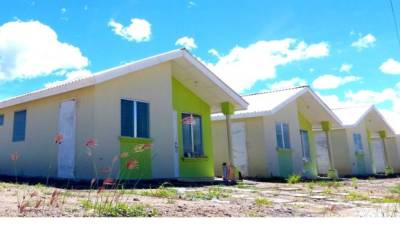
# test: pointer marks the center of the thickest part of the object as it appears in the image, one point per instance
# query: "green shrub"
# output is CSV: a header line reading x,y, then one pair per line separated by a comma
x,y
120,209
263,201
294,179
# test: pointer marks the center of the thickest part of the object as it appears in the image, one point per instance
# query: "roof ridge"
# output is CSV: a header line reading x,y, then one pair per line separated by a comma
x,y
276,90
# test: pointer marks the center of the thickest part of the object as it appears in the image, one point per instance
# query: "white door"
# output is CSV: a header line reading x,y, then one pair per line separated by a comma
x,y
379,158
239,148
322,153
66,150
175,146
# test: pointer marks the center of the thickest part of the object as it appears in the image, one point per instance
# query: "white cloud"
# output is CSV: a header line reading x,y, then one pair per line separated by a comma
x,y
294,82
366,41
191,4
214,53
390,66
71,76
40,53
363,97
345,67
329,81
187,42
139,30
63,10
243,66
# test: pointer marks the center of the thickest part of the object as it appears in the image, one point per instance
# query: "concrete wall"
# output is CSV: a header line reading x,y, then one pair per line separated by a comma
x,y
255,144
38,153
392,144
98,116
288,115
340,152
153,85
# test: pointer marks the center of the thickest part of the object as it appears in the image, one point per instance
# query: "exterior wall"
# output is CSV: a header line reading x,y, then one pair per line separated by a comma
x,y
38,153
310,167
357,160
393,153
185,101
290,161
255,144
151,85
341,155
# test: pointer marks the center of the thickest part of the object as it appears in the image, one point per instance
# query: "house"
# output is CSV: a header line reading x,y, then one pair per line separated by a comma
x,y
148,119
274,136
365,144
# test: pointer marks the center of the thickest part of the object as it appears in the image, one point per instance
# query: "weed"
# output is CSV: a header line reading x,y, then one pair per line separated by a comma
x,y
161,192
263,201
354,181
395,189
211,193
355,196
120,209
328,191
330,184
294,179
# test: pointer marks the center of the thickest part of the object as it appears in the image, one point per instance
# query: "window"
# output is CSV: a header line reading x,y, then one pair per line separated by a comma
x,y
192,135
135,119
19,126
282,135
305,145
358,142
1,119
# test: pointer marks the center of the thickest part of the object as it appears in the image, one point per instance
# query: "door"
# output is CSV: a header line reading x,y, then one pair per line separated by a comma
x,y
239,148
379,159
66,150
175,146
322,153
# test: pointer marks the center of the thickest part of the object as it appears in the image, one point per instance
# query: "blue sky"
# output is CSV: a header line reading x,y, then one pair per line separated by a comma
x,y
346,50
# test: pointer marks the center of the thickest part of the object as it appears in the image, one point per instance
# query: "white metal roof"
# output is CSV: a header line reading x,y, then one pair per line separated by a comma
x,y
270,102
352,116
109,74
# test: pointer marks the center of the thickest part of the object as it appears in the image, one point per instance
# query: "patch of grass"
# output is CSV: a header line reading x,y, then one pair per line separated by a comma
x,y
328,191
355,196
120,209
395,189
354,182
161,192
386,199
263,201
294,179
329,183
211,193
242,185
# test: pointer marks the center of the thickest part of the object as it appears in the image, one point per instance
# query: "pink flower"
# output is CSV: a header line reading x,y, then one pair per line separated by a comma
x,y
14,156
132,164
91,143
108,181
58,139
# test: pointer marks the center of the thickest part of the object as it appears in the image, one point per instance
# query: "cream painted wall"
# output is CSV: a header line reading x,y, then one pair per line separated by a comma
x,y
288,115
340,152
38,153
98,116
392,144
255,145
361,129
152,85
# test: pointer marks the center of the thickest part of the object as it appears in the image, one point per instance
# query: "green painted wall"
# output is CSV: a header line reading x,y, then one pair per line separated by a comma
x,y
143,168
310,167
285,162
184,100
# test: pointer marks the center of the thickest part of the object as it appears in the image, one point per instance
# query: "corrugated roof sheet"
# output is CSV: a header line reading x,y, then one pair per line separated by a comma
x,y
352,115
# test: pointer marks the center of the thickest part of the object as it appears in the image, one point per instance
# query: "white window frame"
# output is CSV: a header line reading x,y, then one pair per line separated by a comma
x,y
192,133
308,158
283,135
135,101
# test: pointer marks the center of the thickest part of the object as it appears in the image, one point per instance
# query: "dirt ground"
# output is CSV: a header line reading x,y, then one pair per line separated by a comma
x,y
349,197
